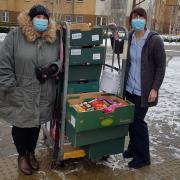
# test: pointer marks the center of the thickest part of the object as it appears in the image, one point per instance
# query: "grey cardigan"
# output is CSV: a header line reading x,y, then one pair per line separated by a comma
x,y
153,64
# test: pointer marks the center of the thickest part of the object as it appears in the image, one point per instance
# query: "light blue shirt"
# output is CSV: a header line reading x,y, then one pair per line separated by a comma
x,y
134,79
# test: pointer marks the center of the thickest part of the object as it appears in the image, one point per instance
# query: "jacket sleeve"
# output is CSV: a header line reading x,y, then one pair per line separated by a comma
x,y
7,74
160,62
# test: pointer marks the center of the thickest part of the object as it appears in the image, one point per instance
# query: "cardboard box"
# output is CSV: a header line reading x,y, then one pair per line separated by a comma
x,y
85,121
81,26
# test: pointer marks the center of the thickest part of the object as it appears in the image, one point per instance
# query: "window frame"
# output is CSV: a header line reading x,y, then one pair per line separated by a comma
x,y
68,1
80,1
5,16
101,22
79,17
67,18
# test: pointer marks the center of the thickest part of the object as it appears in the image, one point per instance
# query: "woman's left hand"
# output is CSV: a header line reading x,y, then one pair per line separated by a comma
x,y
152,95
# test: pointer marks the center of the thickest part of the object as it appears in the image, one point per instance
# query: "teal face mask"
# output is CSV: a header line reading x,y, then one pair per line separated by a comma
x,y
40,25
138,24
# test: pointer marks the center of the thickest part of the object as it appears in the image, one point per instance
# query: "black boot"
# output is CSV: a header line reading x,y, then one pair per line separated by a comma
x,y
138,163
127,154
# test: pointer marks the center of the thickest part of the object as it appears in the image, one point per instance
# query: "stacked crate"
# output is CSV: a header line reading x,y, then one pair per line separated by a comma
x,y
97,132
85,60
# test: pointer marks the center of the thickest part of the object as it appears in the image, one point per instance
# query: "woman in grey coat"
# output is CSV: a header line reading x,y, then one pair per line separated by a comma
x,y
145,70
28,64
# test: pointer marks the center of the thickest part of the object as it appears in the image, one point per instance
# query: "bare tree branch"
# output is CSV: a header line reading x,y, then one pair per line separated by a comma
x,y
135,4
139,2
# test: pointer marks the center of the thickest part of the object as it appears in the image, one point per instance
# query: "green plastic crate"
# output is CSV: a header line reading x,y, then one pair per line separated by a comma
x,y
84,121
98,150
90,86
96,135
81,56
86,38
84,73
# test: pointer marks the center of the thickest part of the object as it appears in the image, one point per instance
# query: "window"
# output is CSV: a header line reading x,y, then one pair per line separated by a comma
x,y
5,16
68,18
178,18
79,19
101,21
68,1
104,21
116,4
174,10
79,1
98,21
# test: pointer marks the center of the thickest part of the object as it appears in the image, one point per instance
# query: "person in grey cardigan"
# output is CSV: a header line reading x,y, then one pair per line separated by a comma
x,y
145,71
28,65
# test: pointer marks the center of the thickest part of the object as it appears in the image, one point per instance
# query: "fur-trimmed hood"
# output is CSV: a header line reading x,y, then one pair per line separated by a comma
x,y
27,28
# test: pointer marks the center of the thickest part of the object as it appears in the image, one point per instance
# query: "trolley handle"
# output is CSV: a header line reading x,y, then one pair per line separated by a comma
x,y
112,67
83,81
124,39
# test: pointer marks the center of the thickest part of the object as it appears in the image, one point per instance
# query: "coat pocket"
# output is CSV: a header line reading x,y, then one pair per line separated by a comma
x,y
15,97
30,90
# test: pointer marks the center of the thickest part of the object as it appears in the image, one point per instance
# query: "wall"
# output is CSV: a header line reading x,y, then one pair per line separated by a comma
x,y
103,7
7,5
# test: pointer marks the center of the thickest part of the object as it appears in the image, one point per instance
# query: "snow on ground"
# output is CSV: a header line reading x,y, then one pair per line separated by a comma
x,y
165,43
172,43
2,36
163,121
169,100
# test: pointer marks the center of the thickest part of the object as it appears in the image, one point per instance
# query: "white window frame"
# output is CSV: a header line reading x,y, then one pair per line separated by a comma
x,y
79,17
80,1
5,16
68,16
101,20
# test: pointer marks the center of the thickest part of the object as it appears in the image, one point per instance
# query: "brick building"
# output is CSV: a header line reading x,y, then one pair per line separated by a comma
x,y
96,12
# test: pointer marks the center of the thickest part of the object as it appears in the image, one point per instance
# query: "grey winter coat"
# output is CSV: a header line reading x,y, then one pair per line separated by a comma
x,y
24,101
153,64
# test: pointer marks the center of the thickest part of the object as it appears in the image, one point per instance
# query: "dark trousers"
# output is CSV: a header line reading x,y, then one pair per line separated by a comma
x,y
25,139
138,130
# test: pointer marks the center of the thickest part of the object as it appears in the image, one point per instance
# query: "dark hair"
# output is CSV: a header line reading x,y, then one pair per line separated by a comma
x,y
139,12
39,10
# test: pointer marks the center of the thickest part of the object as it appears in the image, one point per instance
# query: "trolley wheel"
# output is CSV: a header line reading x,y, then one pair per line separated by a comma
x,y
56,164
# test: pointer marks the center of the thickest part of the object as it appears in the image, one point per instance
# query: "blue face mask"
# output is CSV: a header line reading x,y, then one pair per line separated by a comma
x,y
40,25
138,24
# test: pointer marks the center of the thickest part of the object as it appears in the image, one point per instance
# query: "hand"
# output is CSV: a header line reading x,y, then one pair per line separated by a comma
x,y
152,95
46,72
